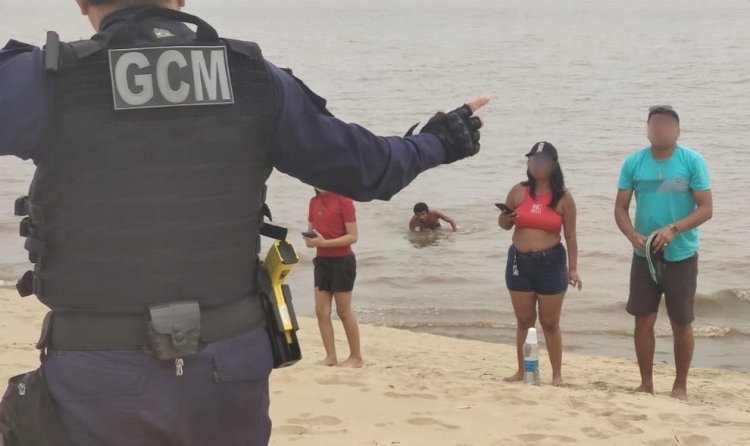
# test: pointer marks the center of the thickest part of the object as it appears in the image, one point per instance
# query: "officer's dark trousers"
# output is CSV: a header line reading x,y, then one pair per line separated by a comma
x,y
119,398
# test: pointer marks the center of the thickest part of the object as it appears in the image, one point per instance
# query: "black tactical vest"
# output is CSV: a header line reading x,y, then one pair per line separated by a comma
x,y
151,189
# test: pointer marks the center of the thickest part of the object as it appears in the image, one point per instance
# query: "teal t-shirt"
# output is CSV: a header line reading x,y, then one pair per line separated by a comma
x,y
664,194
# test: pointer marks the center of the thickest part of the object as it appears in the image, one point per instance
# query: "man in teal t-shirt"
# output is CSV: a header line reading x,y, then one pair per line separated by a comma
x,y
672,188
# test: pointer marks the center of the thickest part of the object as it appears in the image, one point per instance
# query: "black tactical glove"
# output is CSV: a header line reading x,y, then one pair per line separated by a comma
x,y
458,130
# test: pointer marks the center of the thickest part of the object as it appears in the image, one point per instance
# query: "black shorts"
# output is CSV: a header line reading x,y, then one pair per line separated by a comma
x,y
544,273
679,282
335,275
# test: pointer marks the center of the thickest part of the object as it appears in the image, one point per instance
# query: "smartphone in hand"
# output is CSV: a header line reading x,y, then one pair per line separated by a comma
x,y
504,208
309,235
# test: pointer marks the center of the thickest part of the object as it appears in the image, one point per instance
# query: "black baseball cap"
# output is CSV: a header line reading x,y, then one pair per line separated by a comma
x,y
545,148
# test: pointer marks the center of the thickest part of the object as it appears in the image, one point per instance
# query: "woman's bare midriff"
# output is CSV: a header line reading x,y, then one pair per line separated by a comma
x,y
534,240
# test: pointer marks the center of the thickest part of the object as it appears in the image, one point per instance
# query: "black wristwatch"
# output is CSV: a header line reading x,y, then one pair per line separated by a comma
x,y
673,227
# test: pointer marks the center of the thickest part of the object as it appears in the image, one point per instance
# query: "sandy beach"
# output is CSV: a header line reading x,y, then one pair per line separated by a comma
x,y
421,389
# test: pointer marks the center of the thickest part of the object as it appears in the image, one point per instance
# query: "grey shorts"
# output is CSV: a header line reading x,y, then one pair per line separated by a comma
x,y
678,285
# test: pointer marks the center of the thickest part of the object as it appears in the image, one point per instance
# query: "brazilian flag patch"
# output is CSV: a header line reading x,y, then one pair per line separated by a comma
x,y
161,33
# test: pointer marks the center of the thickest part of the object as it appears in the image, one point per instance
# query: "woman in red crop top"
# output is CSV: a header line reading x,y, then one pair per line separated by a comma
x,y
537,272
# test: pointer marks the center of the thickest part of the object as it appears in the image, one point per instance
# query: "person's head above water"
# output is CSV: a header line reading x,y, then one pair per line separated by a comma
x,y
544,167
98,10
422,211
663,127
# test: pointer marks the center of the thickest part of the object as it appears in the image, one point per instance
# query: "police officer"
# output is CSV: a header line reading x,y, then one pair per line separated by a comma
x,y
152,144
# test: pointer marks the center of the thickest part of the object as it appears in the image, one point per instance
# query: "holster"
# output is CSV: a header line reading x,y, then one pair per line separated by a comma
x,y
284,344
28,414
276,298
175,329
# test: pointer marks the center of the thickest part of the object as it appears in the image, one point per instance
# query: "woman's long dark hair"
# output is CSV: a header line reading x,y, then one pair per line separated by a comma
x,y
556,182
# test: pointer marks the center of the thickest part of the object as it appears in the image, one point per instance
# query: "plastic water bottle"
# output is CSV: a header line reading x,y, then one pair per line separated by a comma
x,y
531,359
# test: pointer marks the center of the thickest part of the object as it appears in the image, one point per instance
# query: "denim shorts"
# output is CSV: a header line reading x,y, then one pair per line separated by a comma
x,y
544,272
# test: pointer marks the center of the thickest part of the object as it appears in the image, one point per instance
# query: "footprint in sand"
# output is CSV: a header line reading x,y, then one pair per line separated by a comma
x,y
662,442
724,395
285,378
609,387
636,406
323,420
460,391
328,401
594,433
624,415
696,440
511,388
424,421
713,421
579,404
423,396
553,439
669,417
291,430
705,418
338,382
625,427
501,396
520,402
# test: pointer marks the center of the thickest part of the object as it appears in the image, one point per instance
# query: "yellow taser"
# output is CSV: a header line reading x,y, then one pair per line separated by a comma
x,y
281,321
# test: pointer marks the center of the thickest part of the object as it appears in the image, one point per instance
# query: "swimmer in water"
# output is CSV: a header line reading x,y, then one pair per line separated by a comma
x,y
429,219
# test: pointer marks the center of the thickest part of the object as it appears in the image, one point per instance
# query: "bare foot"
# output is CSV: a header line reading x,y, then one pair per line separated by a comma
x,y
645,388
679,393
352,363
558,382
328,362
518,376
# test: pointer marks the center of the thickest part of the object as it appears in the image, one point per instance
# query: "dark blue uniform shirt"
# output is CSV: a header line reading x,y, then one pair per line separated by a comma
x,y
309,143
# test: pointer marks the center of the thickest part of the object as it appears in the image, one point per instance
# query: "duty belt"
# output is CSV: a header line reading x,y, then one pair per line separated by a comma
x,y
74,330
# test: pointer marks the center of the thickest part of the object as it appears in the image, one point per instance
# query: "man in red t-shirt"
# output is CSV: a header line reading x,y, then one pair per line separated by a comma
x,y
333,219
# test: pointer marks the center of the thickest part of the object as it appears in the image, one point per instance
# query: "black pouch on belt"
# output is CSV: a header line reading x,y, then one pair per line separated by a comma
x,y
28,414
175,329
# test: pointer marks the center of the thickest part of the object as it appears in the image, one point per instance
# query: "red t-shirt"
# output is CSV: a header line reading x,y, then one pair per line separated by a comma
x,y
328,214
